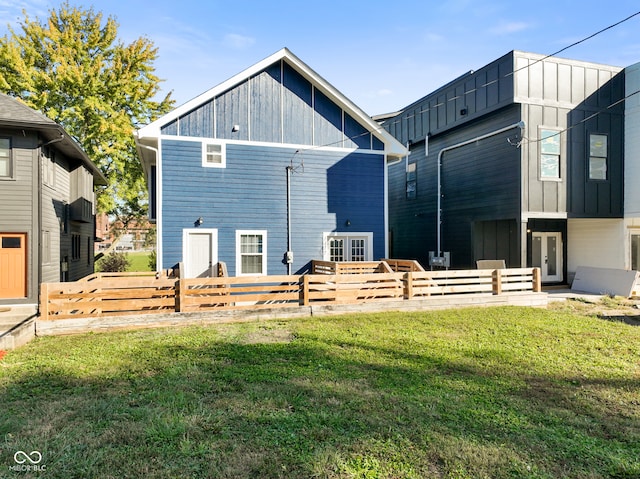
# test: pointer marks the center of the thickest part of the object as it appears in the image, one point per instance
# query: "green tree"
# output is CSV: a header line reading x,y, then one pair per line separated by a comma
x,y
73,68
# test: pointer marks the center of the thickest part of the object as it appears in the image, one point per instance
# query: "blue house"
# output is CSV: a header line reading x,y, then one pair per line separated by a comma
x,y
265,172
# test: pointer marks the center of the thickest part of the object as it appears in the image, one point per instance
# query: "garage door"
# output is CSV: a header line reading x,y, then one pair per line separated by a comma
x,y
13,265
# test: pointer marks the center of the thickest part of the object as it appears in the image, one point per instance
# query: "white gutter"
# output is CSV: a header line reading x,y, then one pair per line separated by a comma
x,y
157,205
520,124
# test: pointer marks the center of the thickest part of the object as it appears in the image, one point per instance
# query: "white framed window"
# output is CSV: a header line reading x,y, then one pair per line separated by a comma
x,y
6,165
214,154
348,246
549,154
597,157
251,252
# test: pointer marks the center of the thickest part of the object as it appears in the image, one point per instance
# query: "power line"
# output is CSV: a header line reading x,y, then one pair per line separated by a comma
x,y
584,120
473,90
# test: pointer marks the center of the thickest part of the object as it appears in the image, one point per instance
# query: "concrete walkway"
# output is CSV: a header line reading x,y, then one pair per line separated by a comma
x,y
17,325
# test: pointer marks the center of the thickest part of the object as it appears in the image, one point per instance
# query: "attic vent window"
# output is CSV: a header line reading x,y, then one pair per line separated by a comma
x,y
213,155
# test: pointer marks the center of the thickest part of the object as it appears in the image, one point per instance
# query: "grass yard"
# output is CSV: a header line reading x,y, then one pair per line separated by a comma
x,y
470,393
139,261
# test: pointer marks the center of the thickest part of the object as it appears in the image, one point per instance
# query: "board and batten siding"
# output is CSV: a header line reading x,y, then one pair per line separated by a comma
x,y
632,143
328,187
574,98
277,105
464,99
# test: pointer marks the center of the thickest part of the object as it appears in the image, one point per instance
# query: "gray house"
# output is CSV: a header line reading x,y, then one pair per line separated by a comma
x,y
521,160
47,224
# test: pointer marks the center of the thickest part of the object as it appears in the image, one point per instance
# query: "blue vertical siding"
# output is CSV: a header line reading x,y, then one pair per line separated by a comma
x,y
231,109
277,105
327,189
265,111
297,107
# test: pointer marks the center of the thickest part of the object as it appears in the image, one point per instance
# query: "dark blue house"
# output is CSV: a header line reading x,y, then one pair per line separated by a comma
x,y
265,172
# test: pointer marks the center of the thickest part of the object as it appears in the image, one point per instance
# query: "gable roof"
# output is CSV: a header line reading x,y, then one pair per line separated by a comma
x,y
15,114
392,146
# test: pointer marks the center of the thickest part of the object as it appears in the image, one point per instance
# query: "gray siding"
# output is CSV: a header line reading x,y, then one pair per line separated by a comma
x,y
18,213
62,226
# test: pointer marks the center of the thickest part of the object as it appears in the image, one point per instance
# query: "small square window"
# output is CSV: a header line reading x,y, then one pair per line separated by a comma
x,y
213,155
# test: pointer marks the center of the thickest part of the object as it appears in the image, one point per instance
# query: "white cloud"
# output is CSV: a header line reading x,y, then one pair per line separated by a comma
x,y
238,42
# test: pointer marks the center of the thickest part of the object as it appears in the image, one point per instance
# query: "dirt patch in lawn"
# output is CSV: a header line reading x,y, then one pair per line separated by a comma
x,y
609,308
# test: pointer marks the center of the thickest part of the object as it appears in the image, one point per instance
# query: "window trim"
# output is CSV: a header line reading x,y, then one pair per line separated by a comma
x,y
223,154
558,133
590,156
11,166
239,235
347,235
48,166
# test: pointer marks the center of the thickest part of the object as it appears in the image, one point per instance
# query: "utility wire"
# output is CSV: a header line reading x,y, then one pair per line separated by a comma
x,y
473,90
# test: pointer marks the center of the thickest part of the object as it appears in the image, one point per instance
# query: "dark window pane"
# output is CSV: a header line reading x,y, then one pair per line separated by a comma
x,y
11,242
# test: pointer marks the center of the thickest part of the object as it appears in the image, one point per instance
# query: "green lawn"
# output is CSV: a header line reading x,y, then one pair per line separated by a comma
x,y
139,261
470,393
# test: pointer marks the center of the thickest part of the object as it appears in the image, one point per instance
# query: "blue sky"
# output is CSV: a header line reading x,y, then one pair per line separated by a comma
x,y
381,55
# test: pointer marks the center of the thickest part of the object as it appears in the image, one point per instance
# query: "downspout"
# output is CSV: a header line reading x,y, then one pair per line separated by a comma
x,y
157,205
520,124
288,255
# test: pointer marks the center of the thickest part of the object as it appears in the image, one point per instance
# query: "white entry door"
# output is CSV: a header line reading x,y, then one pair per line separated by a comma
x,y
547,255
199,252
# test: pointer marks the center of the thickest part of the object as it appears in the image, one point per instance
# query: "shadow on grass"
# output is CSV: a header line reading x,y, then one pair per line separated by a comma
x,y
302,407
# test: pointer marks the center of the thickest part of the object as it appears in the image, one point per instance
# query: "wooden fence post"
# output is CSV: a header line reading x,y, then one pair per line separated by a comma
x,y
537,280
496,281
44,301
408,285
179,296
304,291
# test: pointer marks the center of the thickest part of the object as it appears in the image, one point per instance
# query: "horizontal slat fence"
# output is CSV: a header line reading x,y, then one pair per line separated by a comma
x,y
349,267
107,297
403,265
352,288
242,292
127,295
